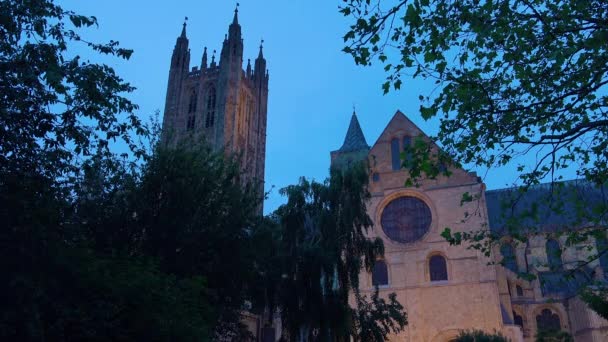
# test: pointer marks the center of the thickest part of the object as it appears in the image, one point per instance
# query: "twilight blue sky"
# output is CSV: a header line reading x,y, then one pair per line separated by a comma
x,y
313,85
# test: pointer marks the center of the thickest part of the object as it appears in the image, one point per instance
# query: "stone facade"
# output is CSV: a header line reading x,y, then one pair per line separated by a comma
x,y
219,102
475,293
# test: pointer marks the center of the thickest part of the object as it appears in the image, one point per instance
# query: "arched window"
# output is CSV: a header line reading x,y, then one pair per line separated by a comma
x,y
508,257
518,320
548,321
407,143
211,97
601,244
554,254
438,268
380,273
192,103
519,291
395,155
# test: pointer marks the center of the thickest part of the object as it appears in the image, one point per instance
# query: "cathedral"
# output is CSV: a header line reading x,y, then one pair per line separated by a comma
x,y
444,289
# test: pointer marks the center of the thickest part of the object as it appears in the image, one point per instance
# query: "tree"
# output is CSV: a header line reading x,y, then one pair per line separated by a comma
x,y
197,217
479,336
60,183
513,78
322,250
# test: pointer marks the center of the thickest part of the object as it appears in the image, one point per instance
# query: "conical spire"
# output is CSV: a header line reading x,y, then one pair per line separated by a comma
x,y
354,140
213,60
235,20
261,54
204,59
183,35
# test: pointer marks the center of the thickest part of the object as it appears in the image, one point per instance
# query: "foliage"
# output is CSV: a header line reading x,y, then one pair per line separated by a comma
x,y
80,259
197,218
391,317
57,107
322,250
553,336
514,79
479,336
597,299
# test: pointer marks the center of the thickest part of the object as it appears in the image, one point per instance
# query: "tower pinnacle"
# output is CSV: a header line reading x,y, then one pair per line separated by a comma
x,y
184,28
354,140
261,54
235,20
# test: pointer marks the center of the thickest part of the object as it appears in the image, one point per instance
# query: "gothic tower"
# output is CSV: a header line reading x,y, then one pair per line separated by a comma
x,y
220,103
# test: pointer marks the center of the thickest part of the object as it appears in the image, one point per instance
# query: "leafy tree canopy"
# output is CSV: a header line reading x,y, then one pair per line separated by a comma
x,y
512,77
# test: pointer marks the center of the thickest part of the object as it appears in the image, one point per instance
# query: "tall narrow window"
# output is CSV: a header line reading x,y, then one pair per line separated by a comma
x,y
192,102
190,122
554,255
601,244
380,273
395,155
519,290
508,257
438,268
211,97
548,321
407,153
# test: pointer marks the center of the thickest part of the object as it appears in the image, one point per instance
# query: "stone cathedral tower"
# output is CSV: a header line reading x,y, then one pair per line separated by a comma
x,y
219,102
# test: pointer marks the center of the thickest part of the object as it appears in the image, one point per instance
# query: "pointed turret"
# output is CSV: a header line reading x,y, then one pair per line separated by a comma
x,y
213,65
181,53
259,73
183,35
180,62
248,68
204,59
354,140
235,20
355,147
232,49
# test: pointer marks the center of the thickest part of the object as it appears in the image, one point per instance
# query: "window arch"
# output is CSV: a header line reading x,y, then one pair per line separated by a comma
x,y
438,269
547,320
508,257
554,254
519,290
380,273
211,101
395,154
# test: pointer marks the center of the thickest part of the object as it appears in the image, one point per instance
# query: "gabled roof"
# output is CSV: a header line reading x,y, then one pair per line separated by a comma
x,y
354,140
399,120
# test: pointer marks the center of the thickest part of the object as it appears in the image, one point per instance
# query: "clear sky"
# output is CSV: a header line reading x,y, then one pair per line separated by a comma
x,y
313,85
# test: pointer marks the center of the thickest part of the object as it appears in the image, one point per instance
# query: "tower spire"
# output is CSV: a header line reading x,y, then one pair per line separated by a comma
x,y
235,20
183,35
354,140
204,60
261,54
